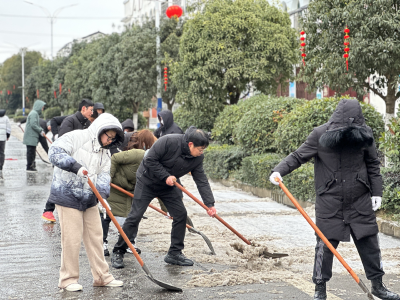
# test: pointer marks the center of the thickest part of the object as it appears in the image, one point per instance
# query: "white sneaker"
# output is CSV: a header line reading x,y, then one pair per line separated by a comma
x,y
115,283
74,287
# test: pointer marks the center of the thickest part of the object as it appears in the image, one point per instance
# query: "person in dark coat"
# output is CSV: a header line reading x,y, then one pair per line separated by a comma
x,y
171,157
348,187
55,124
77,121
128,126
98,109
168,126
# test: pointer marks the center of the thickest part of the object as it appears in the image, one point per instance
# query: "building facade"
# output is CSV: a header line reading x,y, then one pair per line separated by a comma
x,y
66,50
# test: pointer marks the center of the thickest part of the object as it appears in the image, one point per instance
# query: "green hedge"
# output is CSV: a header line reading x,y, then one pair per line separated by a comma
x,y
18,112
294,128
202,118
52,112
221,161
391,189
18,119
226,122
255,131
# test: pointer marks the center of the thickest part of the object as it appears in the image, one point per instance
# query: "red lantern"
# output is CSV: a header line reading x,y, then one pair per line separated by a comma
x,y
37,93
303,44
8,92
69,90
347,48
174,11
165,78
55,94
14,86
60,89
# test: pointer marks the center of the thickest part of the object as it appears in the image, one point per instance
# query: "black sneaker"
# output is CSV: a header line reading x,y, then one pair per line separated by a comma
x,y
31,170
320,291
117,260
179,259
379,290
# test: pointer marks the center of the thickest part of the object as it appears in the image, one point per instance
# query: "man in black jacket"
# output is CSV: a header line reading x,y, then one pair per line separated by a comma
x,y
77,121
55,124
348,186
171,157
168,126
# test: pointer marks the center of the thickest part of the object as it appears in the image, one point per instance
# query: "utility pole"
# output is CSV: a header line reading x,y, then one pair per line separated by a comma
x,y
23,51
159,99
52,19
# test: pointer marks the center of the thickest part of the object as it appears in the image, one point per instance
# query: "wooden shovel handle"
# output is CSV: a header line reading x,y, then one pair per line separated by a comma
x,y
216,216
110,214
316,229
48,139
150,205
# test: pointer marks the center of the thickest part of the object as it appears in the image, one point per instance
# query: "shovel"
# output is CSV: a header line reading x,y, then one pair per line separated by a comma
x,y
325,240
122,233
208,242
265,253
36,150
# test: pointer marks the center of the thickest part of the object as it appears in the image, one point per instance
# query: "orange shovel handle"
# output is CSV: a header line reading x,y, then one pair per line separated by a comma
x,y
216,216
316,229
110,214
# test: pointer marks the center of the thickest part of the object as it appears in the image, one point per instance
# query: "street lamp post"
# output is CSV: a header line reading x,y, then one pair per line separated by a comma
x,y
52,18
159,99
23,51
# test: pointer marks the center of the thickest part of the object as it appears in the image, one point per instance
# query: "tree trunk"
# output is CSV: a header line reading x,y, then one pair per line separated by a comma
x,y
170,104
390,98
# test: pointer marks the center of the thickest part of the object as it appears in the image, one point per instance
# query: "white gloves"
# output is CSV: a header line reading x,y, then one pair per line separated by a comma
x,y
42,133
102,209
273,176
80,173
376,202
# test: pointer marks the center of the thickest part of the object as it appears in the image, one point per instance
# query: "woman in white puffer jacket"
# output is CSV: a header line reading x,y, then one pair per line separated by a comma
x,y
76,204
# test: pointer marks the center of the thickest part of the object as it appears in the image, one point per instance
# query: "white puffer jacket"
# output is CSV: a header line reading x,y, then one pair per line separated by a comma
x,y
83,148
5,126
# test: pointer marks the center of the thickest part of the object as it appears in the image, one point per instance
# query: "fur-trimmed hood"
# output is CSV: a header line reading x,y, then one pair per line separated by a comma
x,y
347,127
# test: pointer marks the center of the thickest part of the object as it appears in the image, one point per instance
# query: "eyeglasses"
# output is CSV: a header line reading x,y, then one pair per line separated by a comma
x,y
201,150
110,139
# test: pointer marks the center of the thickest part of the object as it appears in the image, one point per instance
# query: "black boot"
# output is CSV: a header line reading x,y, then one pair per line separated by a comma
x,y
379,290
320,291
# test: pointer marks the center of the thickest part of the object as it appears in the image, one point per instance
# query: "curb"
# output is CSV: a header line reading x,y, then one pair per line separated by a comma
x,y
385,226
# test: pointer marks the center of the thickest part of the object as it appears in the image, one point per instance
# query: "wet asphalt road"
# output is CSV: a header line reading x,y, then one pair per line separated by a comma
x,y
30,253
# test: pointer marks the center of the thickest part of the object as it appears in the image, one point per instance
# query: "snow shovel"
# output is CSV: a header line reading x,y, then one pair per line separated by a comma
x,y
208,242
265,253
36,150
325,240
122,233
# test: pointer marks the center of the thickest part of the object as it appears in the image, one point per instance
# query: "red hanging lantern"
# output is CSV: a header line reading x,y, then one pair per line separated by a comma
x,y
1,92
174,11
60,89
165,78
69,90
303,45
55,94
14,86
37,93
347,48
8,92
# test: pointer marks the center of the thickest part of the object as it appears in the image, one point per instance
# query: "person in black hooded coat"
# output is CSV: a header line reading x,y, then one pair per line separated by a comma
x,y
168,126
348,187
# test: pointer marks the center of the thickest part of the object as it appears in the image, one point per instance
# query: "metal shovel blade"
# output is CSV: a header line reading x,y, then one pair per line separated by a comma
x,y
208,242
366,290
160,283
274,255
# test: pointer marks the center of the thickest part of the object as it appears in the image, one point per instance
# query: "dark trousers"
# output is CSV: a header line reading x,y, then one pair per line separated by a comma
x,y
368,249
172,198
43,142
105,223
30,155
49,206
2,156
